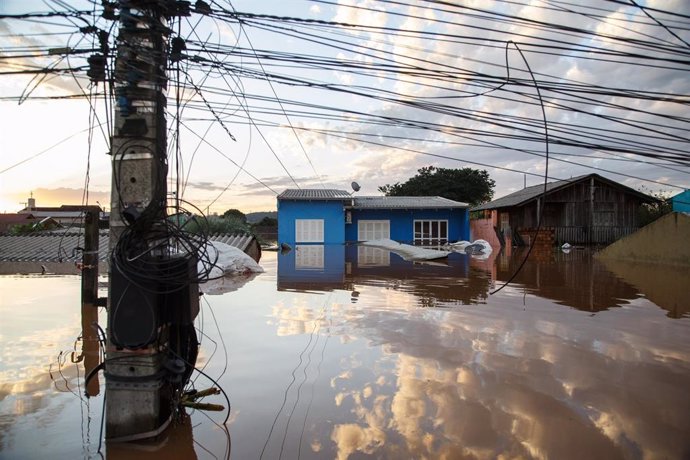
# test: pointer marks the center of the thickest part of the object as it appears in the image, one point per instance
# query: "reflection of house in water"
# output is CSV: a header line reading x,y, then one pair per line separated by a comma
x,y
344,267
574,279
578,280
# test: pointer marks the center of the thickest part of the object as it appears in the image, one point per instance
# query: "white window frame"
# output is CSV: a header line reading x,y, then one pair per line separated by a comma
x,y
309,230
365,232
422,238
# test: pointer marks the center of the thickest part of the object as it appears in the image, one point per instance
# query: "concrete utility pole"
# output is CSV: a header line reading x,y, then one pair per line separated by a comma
x,y
139,397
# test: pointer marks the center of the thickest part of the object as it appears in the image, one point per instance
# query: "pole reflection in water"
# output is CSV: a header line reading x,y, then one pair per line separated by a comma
x,y
91,345
177,442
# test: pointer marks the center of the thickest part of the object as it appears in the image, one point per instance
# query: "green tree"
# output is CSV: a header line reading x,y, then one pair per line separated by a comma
x,y
235,214
649,212
466,185
25,229
212,225
267,222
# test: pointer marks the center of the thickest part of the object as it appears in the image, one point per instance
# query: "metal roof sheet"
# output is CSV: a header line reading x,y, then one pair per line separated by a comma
x,y
47,247
239,241
314,194
406,202
521,196
62,247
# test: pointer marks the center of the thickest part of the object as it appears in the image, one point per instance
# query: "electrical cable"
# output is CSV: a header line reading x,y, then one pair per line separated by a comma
x,y
546,180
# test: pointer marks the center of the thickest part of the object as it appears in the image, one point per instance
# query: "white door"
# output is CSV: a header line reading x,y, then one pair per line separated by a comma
x,y
368,230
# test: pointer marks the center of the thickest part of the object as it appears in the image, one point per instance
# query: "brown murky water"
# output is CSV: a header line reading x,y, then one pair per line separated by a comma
x,y
353,353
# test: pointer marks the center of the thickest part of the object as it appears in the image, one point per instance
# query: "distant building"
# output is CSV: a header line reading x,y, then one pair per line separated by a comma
x,y
7,221
334,216
67,215
588,209
681,202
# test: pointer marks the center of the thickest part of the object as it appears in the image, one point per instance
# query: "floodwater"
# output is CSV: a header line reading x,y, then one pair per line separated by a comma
x,y
350,352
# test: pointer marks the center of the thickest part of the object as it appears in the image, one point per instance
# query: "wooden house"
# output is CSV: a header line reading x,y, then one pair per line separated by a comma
x,y
589,210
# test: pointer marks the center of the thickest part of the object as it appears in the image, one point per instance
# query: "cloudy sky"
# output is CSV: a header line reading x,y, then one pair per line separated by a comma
x,y
290,94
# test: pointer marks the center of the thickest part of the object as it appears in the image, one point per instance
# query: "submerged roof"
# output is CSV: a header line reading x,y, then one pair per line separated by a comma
x,y
406,202
62,247
314,194
535,191
48,247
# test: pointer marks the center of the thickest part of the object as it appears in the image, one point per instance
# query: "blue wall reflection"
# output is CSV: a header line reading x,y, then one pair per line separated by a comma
x,y
330,267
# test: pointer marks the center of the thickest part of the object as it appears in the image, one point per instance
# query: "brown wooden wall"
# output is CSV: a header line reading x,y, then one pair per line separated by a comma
x,y
576,221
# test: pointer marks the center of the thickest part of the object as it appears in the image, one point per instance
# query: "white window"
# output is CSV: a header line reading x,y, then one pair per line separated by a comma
x,y
309,257
430,232
309,230
368,230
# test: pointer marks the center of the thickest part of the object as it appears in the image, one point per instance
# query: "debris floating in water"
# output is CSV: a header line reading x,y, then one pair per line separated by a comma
x,y
479,249
232,269
407,251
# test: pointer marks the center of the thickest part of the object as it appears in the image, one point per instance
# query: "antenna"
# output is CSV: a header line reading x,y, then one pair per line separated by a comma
x,y
355,186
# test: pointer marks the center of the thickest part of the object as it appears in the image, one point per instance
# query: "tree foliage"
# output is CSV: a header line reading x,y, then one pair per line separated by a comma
x,y
466,185
267,222
235,214
25,229
213,225
649,212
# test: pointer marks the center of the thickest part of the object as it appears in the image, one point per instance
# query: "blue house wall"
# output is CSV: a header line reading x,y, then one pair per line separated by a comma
x,y
332,212
681,202
402,222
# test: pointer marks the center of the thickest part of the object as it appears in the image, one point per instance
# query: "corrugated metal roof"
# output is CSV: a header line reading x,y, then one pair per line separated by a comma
x,y
524,195
533,192
314,194
406,202
239,241
61,247
47,247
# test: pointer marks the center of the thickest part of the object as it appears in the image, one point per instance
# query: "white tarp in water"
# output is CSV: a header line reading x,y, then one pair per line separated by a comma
x,y
232,270
406,251
479,249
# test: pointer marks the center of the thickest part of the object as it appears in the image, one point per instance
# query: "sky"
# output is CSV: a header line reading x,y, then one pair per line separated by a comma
x,y
365,91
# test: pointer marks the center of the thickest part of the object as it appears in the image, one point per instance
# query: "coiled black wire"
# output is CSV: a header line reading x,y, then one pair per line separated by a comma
x,y
161,242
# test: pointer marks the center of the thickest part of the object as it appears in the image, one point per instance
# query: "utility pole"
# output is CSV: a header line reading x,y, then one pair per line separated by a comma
x,y
145,368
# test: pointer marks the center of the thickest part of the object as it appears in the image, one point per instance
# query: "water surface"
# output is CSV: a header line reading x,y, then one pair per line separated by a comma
x,y
340,352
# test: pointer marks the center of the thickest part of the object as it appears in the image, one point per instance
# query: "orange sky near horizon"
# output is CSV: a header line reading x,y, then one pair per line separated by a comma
x,y
13,202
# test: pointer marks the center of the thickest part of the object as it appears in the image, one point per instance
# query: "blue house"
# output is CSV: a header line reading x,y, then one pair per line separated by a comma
x,y
681,202
335,217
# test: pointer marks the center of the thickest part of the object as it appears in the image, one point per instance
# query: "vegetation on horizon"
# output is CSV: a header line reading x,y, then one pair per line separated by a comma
x,y
467,185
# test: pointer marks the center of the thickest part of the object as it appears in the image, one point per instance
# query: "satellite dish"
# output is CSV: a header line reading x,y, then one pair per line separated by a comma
x,y
355,186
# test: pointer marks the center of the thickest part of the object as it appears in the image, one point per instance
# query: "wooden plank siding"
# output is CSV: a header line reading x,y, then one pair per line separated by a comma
x,y
577,219
599,235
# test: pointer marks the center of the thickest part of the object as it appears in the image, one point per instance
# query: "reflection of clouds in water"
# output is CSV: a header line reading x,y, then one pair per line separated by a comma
x,y
352,438
490,382
23,378
345,375
297,320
